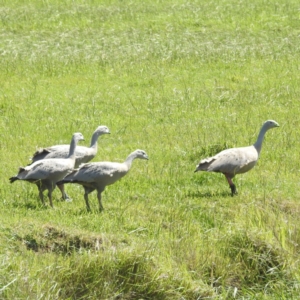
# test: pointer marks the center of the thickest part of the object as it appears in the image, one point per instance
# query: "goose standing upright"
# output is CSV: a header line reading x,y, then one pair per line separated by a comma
x,y
236,160
46,173
97,175
83,154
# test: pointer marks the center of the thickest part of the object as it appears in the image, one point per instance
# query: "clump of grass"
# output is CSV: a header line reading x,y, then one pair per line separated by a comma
x,y
127,275
259,261
55,240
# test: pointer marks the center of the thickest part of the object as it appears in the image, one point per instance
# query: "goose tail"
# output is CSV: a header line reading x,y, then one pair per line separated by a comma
x,y
13,179
204,164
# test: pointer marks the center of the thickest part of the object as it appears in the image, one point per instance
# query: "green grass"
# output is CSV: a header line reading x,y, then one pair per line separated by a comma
x,y
182,81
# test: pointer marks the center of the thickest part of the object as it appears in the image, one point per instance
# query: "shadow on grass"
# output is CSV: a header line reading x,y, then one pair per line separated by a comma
x,y
30,205
85,212
208,194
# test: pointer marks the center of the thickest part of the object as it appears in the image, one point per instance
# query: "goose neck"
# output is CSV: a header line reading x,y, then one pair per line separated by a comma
x,y
72,148
260,138
94,141
129,160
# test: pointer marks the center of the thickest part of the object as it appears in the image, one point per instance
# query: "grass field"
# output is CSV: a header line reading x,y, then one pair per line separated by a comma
x,y
181,80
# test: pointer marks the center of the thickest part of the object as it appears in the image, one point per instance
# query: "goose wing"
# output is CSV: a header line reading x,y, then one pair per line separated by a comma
x,y
231,161
58,151
105,172
54,169
83,154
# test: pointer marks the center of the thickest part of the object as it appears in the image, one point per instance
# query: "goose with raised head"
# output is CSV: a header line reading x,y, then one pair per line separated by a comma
x,y
97,175
83,154
46,173
236,160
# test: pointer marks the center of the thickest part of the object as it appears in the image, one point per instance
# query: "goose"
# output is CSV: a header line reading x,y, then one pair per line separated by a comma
x,y
83,154
236,160
46,173
97,175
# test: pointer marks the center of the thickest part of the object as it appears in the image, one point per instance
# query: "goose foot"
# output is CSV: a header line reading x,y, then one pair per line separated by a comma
x,y
65,197
233,190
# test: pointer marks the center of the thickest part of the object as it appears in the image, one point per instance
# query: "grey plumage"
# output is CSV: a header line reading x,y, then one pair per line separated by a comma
x,y
46,173
236,160
83,154
97,175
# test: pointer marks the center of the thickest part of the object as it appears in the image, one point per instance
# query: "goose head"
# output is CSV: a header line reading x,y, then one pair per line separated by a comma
x,y
270,124
101,130
77,136
141,154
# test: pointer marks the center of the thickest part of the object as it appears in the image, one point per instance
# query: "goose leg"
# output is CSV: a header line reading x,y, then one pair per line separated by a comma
x,y
41,196
231,184
50,197
99,201
86,198
64,195
87,190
